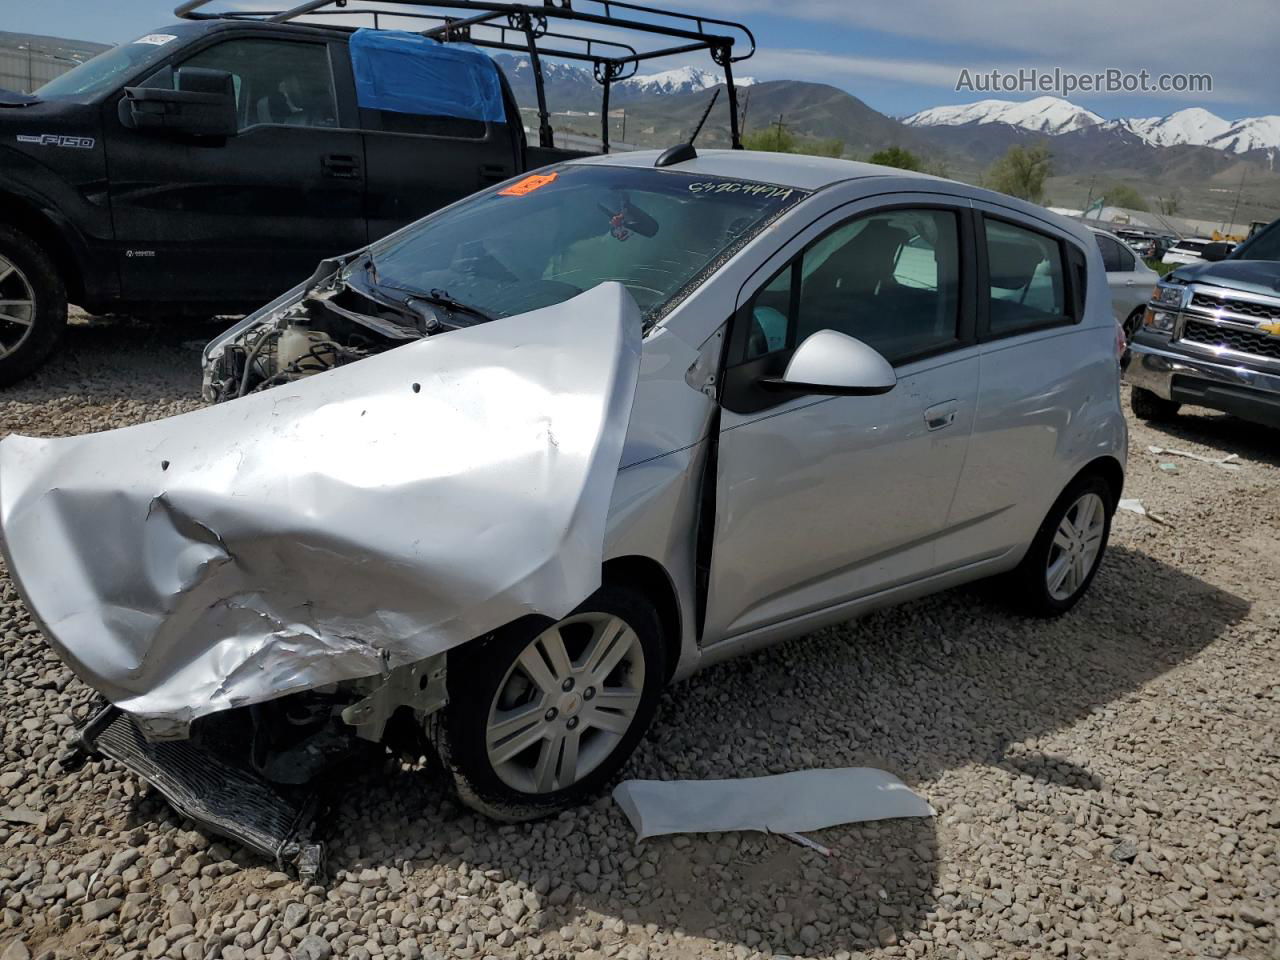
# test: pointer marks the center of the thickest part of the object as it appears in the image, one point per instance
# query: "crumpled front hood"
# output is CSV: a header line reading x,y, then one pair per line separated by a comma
x,y
331,528
1254,276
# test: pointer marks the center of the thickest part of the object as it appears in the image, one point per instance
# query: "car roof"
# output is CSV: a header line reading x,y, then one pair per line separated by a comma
x,y
787,169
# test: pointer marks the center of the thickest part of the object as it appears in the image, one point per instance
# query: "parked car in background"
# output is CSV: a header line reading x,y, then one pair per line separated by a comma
x,y
1142,242
725,399
1211,337
1187,250
1130,280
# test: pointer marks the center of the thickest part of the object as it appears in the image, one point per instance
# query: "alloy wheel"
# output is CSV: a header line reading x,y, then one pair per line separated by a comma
x,y
17,307
566,703
1075,546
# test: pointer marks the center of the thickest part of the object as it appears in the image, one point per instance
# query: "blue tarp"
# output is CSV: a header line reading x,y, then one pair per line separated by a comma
x,y
408,73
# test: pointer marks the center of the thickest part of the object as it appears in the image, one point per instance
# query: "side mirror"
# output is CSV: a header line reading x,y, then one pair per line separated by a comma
x,y
833,364
1213,252
203,104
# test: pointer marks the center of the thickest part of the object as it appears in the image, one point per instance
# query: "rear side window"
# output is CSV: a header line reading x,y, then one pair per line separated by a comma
x,y
1027,280
1110,252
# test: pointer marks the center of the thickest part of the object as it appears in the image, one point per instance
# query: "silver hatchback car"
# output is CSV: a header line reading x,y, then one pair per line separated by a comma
x,y
504,475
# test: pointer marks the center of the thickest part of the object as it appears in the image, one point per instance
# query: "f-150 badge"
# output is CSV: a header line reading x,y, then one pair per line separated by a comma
x,y
57,140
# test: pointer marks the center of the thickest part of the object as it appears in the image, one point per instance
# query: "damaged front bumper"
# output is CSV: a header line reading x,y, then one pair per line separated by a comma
x,y
338,528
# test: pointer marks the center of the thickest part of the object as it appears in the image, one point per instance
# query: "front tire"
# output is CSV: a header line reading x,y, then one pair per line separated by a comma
x,y
541,716
1152,407
1067,549
33,306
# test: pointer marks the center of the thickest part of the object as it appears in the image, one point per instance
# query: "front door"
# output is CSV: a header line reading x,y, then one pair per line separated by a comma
x,y
240,221
826,499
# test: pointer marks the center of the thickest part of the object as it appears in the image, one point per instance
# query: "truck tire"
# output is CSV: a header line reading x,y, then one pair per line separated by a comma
x,y
542,715
1153,407
33,305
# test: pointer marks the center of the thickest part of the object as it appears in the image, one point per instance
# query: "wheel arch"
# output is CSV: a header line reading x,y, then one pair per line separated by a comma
x,y
23,215
651,578
1110,470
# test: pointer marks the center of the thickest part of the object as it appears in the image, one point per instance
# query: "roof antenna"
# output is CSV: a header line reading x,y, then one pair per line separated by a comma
x,y
684,151
705,113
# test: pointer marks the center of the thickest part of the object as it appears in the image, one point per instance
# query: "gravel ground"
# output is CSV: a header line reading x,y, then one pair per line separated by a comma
x,y
1106,784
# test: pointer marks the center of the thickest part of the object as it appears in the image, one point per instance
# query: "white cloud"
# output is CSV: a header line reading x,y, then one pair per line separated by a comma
x,y
1233,41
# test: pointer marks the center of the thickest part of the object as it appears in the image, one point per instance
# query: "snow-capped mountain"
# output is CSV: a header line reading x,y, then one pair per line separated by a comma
x,y
566,80
1250,133
1053,116
1195,125
1049,115
679,80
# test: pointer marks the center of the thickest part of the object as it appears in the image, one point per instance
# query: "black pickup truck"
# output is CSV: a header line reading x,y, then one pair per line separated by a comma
x,y
205,167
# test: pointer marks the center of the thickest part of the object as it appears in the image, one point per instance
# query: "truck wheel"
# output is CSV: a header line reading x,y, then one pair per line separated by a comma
x,y
541,717
33,306
1067,550
1153,407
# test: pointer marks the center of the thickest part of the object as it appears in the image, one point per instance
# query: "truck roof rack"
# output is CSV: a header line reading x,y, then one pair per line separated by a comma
x,y
525,27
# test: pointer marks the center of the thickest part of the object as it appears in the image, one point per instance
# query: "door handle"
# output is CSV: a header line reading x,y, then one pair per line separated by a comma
x,y
941,414
344,166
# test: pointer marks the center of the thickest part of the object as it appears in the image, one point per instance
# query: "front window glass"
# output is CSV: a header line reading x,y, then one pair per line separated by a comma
x,y
276,81
891,279
109,69
563,230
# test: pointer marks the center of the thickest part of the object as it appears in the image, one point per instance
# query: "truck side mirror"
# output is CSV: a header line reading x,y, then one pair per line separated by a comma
x,y
202,104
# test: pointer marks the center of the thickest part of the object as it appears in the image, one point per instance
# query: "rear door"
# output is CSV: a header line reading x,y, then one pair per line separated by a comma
x,y
825,499
438,125
241,220
1038,377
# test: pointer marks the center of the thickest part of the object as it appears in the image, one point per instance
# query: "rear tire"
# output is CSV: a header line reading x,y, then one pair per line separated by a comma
x,y
1067,549
33,306
522,743
1152,407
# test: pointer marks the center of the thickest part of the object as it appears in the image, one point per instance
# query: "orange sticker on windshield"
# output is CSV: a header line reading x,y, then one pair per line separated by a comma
x,y
529,184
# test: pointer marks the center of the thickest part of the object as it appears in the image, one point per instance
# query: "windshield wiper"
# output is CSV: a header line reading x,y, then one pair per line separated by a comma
x,y
441,298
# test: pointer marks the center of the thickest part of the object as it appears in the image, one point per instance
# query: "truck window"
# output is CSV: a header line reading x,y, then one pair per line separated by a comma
x,y
276,81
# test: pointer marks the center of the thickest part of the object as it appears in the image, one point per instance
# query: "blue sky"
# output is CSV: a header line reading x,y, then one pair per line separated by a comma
x,y
905,55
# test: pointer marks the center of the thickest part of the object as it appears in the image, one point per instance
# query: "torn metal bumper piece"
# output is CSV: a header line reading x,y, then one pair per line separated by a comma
x,y
208,783
333,528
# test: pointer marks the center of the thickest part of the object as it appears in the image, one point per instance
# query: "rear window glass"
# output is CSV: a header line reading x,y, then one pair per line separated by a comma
x,y
1027,280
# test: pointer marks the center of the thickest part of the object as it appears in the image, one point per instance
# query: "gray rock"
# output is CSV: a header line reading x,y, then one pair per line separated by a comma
x,y
97,909
312,947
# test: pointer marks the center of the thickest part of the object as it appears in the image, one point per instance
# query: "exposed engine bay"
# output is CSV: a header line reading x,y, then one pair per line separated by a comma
x,y
337,320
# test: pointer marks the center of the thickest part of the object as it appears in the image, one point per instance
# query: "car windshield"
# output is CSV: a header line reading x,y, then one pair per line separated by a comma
x,y
107,69
563,230
1263,246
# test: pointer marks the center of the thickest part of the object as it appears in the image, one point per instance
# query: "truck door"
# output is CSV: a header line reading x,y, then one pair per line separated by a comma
x,y
239,221
439,125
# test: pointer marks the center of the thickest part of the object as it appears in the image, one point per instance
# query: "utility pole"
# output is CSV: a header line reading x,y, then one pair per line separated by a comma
x,y
746,105
778,139
1089,201
1235,206
623,136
